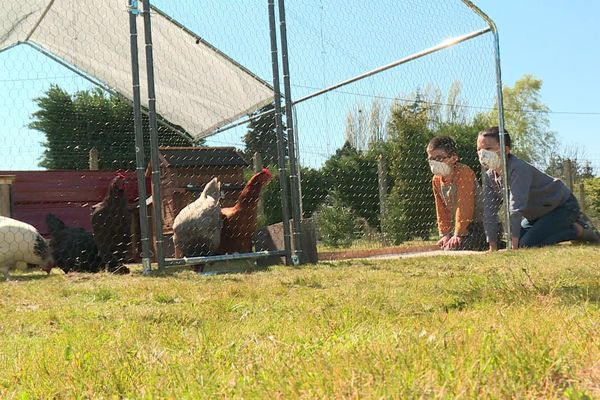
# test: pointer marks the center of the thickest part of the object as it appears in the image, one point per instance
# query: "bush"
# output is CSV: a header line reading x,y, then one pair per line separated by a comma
x,y
335,222
592,198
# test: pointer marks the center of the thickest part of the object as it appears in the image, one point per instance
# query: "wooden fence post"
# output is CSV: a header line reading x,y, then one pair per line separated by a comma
x,y
569,175
382,183
582,196
94,163
6,195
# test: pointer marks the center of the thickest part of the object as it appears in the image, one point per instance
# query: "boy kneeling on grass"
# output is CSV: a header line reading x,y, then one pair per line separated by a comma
x,y
457,195
543,211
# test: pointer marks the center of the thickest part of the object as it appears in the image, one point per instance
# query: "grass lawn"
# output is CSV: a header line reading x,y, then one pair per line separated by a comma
x,y
524,324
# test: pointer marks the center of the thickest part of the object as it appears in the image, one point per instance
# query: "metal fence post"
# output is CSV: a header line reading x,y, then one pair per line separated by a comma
x,y
140,161
281,161
154,159
292,152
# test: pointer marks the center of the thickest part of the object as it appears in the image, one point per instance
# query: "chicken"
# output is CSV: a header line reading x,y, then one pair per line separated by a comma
x,y
239,221
197,228
22,244
111,226
73,249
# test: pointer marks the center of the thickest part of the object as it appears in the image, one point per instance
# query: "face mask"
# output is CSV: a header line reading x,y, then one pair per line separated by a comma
x,y
489,159
439,168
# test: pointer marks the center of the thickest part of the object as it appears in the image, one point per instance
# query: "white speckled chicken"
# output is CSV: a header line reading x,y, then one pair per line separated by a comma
x,y
197,228
22,244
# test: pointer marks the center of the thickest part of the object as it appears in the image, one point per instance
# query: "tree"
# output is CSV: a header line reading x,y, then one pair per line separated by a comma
x,y
592,198
353,174
365,127
455,110
580,169
526,119
262,135
411,210
357,129
377,124
314,191
76,123
336,222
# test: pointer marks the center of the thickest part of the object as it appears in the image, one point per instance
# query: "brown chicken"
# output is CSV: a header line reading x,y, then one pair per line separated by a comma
x,y
111,221
239,221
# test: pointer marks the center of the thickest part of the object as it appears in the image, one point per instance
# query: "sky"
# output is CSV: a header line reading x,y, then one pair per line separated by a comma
x,y
555,41
333,40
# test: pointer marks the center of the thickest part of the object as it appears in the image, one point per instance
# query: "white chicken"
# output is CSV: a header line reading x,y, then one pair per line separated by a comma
x,y
22,244
197,227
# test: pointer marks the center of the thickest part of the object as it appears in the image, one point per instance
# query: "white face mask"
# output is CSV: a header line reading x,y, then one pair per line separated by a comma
x,y
439,168
489,159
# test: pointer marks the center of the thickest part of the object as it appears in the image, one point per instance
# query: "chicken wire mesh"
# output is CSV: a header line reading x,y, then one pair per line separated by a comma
x,y
364,177
74,101
68,148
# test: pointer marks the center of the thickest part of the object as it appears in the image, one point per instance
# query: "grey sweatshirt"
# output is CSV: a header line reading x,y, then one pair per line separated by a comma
x,y
533,194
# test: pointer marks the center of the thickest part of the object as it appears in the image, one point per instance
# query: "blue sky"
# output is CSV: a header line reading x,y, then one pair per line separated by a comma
x,y
556,41
334,40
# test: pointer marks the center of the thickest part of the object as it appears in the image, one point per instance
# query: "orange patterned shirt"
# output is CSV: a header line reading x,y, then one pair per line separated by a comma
x,y
457,200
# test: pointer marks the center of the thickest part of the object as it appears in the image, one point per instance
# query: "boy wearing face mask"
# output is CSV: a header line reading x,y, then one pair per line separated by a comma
x,y
543,211
457,198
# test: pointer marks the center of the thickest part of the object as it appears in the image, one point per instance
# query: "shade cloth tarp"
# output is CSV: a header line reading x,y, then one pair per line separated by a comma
x,y
197,86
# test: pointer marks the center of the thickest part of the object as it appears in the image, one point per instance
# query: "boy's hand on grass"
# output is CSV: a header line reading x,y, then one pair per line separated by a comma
x,y
453,243
443,241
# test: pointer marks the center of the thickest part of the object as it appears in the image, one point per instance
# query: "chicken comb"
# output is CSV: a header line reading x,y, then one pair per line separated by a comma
x,y
267,172
121,175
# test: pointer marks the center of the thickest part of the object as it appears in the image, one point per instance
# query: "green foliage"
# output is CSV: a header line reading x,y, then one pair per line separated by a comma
x,y
353,175
558,164
526,119
262,136
74,124
335,222
592,197
314,190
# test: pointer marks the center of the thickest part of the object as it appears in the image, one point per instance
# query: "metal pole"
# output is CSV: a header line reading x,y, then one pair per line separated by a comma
x,y
441,46
224,257
281,163
154,160
139,138
294,174
500,101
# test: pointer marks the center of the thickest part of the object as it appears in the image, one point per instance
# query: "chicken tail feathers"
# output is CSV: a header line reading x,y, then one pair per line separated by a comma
x,y
212,189
54,223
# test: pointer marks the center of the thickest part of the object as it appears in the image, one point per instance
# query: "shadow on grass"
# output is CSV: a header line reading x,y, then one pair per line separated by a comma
x,y
573,294
28,277
181,271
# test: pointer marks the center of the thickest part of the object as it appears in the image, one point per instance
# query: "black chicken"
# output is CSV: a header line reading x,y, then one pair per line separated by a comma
x,y
111,226
73,249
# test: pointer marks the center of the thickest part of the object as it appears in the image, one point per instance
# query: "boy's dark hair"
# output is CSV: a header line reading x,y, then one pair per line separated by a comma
x,y
445,143
494,132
